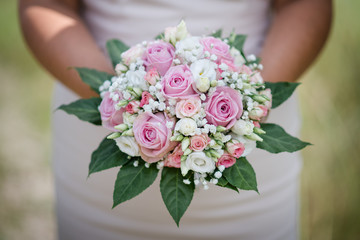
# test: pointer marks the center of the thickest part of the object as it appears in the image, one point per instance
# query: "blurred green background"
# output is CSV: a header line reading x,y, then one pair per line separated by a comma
x,y
329,94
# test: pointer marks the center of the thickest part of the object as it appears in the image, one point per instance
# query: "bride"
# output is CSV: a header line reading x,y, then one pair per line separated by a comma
x,y
287,34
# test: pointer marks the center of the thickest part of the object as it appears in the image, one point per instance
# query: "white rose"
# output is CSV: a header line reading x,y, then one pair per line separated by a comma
x,y
203,72
136,79
249,145
242,127
186,126
198,162
128,145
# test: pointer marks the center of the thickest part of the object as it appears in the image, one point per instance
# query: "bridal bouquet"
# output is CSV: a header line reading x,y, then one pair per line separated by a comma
x,y
192,107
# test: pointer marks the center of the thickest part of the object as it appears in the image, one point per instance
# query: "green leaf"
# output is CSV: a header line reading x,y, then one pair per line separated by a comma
x,y
276,140
131,181
217,34
93,78
84,109
239,41
160,36
107,155
224,183
281,91
175,193
115,48
241,175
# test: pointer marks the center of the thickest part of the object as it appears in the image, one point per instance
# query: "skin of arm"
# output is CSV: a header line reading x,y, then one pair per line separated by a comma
x,y
58,38
297,34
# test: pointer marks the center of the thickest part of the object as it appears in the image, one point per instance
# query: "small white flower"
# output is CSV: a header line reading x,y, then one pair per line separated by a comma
x,y
212,128
126,95
221,168
136,163
176,61
198,131
186,181
218,174
203,97
158,85
152,90
160,165
107,84
213,57
223,66
251,57
214,181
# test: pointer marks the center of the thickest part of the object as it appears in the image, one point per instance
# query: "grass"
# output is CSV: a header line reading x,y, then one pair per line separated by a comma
x,y
329,100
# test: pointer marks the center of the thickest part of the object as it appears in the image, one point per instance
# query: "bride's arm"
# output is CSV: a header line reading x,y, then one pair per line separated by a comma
x,y
297,34
58,38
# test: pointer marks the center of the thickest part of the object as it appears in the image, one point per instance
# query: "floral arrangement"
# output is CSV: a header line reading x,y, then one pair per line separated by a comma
x,y
192,107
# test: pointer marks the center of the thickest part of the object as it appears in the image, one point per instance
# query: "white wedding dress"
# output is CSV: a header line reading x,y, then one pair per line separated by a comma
x,y
84,204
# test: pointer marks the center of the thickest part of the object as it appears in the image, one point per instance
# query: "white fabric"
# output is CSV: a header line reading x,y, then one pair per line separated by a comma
x,y
84,205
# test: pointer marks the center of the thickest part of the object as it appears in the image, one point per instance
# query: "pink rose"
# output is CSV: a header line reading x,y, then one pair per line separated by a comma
x,y
188,107
132,107
235,148
226,160
153,136
224,107
217,47
258,112
199,142
256,124
110,117
132,54
159,55
145,98
178,83
152,76
174,159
